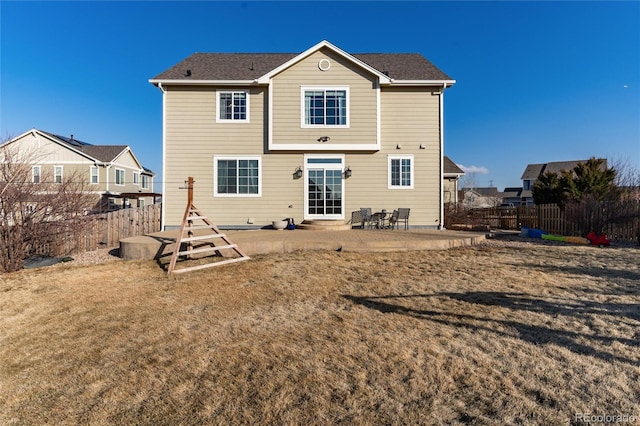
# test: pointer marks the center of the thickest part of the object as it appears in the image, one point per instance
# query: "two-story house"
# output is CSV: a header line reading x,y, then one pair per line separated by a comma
x,y
312,136
533,171
113,172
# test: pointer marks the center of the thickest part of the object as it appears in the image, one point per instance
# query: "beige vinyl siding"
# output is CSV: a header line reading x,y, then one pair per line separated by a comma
x,y
287,106
410,117
44,151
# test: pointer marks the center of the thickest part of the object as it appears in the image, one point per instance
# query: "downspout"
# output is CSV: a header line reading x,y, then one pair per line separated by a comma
x,y
441,218
164,162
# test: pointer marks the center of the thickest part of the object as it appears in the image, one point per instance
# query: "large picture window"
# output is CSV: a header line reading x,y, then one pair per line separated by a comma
x,y
325,107
233,106
400,171
237,176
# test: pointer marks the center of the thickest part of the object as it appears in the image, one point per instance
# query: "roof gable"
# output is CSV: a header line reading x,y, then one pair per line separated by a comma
x,y
97,153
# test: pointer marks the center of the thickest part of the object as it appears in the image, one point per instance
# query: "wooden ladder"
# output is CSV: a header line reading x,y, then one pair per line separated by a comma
x,y
208,240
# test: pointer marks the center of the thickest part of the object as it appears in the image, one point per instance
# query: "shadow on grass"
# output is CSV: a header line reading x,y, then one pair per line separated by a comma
x,y
610,273
535,334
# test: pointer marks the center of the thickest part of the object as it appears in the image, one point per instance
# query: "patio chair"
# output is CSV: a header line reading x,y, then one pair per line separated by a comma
x,y
357,220
403,216
366,216
393,220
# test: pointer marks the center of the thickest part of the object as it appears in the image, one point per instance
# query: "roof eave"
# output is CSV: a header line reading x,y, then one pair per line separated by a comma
x,y
156,82
448,83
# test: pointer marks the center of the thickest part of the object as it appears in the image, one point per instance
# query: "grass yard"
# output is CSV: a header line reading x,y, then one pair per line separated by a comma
x,y
502,333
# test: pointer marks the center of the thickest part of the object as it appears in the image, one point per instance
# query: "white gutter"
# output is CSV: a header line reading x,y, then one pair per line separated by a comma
x,y
441,219
444,83
204,82
164,153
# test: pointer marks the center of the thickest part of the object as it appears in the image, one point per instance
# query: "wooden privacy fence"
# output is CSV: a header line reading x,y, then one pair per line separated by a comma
x,y
620,221
96,231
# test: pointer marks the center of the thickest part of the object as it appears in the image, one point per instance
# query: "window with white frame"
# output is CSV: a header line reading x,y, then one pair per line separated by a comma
x,y
119,176
57,174
233,106
136,178
141,202
400,171
93,172
237,176
325,106
145,182
36,174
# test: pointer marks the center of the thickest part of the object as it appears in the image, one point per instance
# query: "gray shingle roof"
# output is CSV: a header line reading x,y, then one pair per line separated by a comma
x,y
103,153
250,66
533,171
450,167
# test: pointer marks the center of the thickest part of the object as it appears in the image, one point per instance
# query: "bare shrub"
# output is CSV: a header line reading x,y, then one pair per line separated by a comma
x,y
33,205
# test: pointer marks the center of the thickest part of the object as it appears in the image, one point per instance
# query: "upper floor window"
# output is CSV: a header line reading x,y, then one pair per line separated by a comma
x,y
119,176
94,174
57,174
145,182
233,106
237,176
136,178
400,172
36,173
325,106
526,185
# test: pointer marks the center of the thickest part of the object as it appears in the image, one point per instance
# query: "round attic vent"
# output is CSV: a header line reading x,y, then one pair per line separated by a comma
x,y
324,64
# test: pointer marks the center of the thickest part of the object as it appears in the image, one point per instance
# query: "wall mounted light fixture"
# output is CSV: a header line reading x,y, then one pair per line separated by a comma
x,y
298,173
324,138
347,172
398,146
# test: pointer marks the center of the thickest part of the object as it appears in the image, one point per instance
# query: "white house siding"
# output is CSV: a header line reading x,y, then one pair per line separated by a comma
x,y
286,102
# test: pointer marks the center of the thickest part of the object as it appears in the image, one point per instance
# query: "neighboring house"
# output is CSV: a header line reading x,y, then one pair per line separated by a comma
x,y
312,136
112,171
480,198
533,171
513,196
451,177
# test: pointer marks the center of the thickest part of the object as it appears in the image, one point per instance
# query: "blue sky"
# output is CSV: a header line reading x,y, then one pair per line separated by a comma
x,y
536,81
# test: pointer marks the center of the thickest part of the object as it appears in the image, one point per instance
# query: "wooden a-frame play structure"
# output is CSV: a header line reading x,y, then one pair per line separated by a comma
x,y
204,242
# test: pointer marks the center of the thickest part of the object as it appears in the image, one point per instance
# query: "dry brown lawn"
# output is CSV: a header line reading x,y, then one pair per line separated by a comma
x,y
503,333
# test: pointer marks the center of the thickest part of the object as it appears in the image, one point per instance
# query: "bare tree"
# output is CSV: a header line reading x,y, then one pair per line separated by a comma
x,y
33,207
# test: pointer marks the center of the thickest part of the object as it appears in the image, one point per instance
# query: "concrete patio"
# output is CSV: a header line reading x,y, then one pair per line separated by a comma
x,y
161,244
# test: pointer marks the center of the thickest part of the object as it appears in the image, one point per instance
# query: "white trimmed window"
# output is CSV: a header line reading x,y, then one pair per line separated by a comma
x,y
119,176
400,171
141,202
136,178
36,174
145,182
237,176
233,106
57,174
93,173
325,106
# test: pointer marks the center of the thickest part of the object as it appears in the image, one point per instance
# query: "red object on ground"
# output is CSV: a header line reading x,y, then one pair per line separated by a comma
x,y
598,240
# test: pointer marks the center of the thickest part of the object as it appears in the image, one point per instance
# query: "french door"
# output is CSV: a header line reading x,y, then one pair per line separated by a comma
x,y
324,187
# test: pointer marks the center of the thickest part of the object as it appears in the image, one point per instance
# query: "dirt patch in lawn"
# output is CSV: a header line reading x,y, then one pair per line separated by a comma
x,y
508,332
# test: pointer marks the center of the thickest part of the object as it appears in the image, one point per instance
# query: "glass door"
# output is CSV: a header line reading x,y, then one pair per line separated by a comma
x,y
324,187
